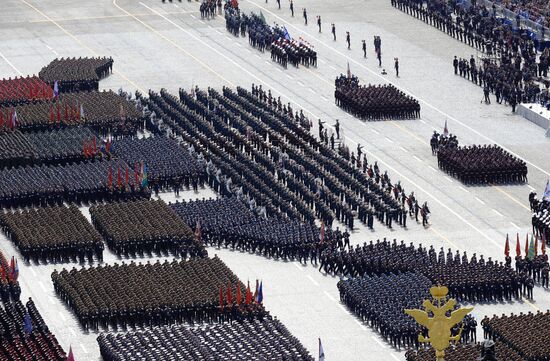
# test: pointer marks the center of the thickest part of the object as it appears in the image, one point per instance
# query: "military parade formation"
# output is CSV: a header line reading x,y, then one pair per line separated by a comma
x,y
85,176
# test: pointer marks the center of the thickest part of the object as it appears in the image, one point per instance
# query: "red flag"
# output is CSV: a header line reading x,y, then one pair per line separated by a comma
x,y
239,295
110,178
536,245
229,295
118,178
1,120
85,148
221,297
507,247
248,298
543,244
518,247
526,245
71,356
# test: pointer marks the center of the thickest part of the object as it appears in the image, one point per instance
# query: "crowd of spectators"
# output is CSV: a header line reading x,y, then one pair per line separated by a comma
x,y
52,234
487,164
374,102
145,226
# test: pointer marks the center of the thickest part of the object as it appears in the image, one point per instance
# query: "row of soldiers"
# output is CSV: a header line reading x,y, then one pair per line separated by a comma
x,y
380,301
237,341
381,102
510,70
470,279
541,215
72,74
145,295
482,164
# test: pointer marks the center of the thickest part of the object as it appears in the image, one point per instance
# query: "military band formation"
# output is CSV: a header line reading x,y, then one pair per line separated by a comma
x,y
284,193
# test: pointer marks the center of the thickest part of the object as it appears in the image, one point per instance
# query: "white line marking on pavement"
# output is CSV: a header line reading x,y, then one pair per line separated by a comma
x,y
289,76
300,83
376,74
329,296
531,188
449,180
432,168
421,121
378,341
219,32
52,300
344,309
497,212
298,266
322,61
267,62
313,281
10,64
279,70
210,26
395,357
32,271
403,149
193,16
324,98
418,159
72,331
389,140
311,90
464,189
62,317
42,286
227,37
83,349
361,325
479,200
332,67
375,131
202,22
515,225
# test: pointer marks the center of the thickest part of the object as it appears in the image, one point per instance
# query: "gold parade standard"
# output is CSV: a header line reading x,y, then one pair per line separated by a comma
x,y
439,325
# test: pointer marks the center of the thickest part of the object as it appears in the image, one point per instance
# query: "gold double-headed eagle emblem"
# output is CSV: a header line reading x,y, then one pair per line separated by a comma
x,y
439,325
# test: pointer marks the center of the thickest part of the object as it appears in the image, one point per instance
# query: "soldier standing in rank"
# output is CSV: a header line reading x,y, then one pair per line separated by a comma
x,y
396,66
337,129
348,40
455,65
364,45
319,22
292,8
305,16
333,30
321,128
279,4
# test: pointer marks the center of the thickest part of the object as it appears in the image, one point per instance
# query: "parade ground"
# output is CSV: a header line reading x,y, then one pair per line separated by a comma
x,y
156,45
